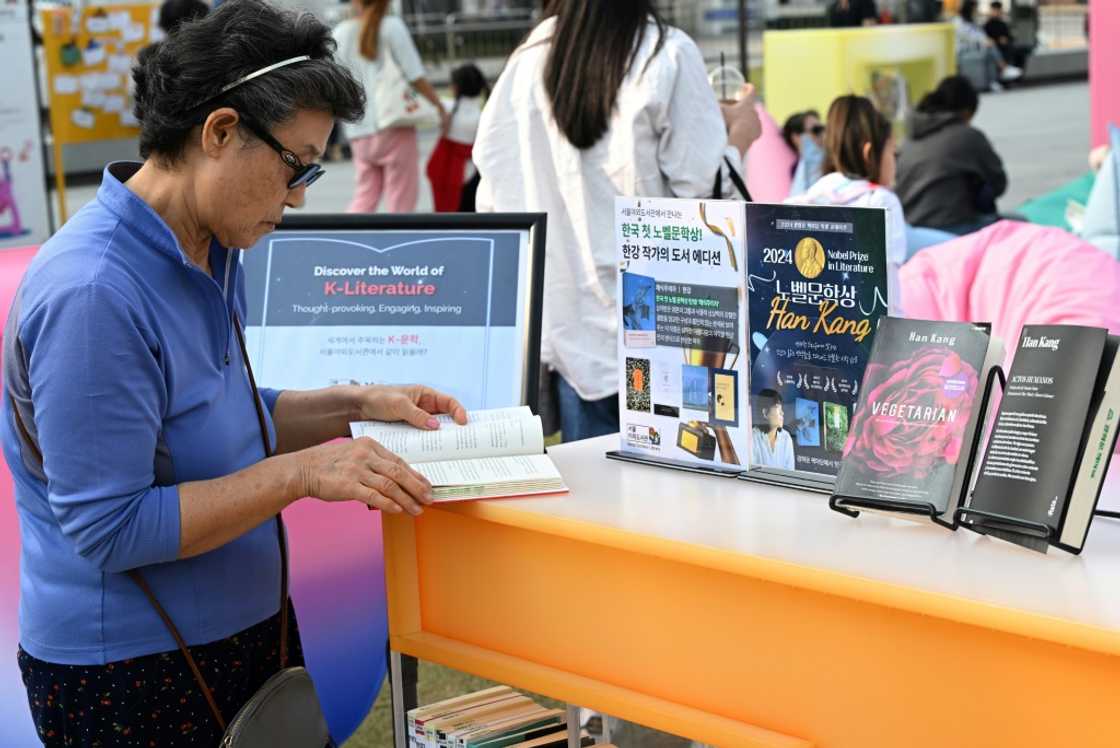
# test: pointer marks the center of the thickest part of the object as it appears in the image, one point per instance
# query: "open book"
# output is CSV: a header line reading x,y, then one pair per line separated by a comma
x,y
499,453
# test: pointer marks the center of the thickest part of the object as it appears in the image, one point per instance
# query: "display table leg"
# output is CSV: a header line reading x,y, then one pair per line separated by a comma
x,y
396,683
573,726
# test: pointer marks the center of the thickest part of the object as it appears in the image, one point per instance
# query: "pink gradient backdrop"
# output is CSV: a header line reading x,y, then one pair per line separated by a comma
x,y
16,728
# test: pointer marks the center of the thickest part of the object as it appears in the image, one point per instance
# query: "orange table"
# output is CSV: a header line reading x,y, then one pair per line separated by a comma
x,y
744,615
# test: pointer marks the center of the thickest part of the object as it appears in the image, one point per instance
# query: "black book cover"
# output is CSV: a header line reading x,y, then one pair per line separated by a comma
x,y
1037,440
911,433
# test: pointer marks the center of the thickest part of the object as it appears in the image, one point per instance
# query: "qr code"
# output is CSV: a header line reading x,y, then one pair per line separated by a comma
x,y
637,384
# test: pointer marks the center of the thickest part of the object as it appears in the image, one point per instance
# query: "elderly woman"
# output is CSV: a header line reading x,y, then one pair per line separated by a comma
x,y
130,427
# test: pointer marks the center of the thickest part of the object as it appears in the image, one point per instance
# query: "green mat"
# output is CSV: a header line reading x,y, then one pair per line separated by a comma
x,y
1050,209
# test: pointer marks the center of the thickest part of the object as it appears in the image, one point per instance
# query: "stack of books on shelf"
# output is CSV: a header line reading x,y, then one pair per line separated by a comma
x,y
497,717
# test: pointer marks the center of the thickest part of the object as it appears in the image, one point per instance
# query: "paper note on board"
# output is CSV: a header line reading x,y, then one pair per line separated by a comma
x,y
83,118
113,104
93,99
120,64
120,20
110,81
65,84
128,119
93,55
133,33
97,25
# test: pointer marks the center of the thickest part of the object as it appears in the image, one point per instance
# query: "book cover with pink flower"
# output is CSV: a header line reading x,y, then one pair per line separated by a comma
x,y
910,435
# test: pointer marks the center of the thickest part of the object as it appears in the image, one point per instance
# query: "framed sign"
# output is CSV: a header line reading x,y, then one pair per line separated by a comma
x,y
447,300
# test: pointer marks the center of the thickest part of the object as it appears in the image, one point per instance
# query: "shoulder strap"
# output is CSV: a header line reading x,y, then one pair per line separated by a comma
x,y
137,577
736,180
281,537
147,590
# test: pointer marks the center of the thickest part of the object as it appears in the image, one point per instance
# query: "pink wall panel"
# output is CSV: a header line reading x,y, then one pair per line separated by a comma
x,y
1104,65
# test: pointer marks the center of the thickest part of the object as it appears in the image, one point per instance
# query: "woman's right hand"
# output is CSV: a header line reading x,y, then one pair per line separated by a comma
x,y
362,470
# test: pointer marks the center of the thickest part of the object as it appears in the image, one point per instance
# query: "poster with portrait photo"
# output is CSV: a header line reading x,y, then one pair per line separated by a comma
x,y
817,286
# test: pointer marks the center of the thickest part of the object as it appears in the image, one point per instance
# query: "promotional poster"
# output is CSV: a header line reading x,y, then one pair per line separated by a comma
x,y
391,307
682,384
817,286
24,217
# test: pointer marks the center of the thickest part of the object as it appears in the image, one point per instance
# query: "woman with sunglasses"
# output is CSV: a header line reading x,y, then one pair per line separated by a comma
x,y
134,439
804,134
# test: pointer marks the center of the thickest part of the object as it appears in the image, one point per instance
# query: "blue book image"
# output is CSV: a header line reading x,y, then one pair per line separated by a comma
x,y
639,310
807,428
694,387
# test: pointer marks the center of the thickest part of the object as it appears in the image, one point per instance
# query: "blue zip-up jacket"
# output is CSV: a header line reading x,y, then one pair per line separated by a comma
x,y
121,361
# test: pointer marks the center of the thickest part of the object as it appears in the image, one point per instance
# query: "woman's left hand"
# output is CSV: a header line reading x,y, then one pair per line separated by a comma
x,y
414,404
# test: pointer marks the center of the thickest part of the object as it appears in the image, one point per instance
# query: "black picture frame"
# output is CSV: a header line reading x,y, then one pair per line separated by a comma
x,y
534,224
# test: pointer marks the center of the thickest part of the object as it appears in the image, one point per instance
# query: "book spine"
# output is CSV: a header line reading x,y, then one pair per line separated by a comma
x,y
1094,467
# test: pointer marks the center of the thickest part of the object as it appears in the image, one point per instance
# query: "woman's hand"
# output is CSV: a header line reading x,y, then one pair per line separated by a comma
x,y
414,404
743,124
362,470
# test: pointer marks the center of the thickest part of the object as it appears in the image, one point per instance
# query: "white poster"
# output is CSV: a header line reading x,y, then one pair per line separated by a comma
x,y
23,194
682,380
443,308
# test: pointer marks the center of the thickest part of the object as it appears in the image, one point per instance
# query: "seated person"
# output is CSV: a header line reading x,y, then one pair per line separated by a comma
x,y
949,176
771,444
858,169
804,134
849,13
1099,222
971,40
999,32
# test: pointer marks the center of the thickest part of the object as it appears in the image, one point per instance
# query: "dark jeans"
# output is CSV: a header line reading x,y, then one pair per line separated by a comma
x,y
583,419
153,700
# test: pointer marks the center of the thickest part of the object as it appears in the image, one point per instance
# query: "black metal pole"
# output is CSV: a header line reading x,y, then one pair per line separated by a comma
x,y
744,23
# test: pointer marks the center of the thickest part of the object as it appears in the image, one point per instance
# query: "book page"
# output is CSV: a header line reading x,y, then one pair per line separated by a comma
x,y
473,416
488,471
524,436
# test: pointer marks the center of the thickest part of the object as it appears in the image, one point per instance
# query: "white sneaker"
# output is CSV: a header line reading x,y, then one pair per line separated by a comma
x,y
1011,73
995,87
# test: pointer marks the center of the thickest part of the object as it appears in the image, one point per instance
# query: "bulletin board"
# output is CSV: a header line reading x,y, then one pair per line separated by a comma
x,y
89,57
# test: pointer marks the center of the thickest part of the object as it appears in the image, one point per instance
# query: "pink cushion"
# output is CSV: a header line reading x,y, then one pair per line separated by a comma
x,y
770,163
1012,274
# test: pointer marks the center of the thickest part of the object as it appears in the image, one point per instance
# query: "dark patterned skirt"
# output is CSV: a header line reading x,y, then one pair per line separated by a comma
x,y
153,701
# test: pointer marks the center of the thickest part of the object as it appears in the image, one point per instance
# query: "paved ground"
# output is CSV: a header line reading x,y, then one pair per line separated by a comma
x,y
1042,132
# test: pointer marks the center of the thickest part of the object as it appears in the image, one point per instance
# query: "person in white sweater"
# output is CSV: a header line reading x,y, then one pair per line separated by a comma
x,y
859,170
602,99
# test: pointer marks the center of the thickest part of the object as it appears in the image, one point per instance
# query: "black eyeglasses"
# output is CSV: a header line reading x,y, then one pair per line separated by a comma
x,y
305,174
817,130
